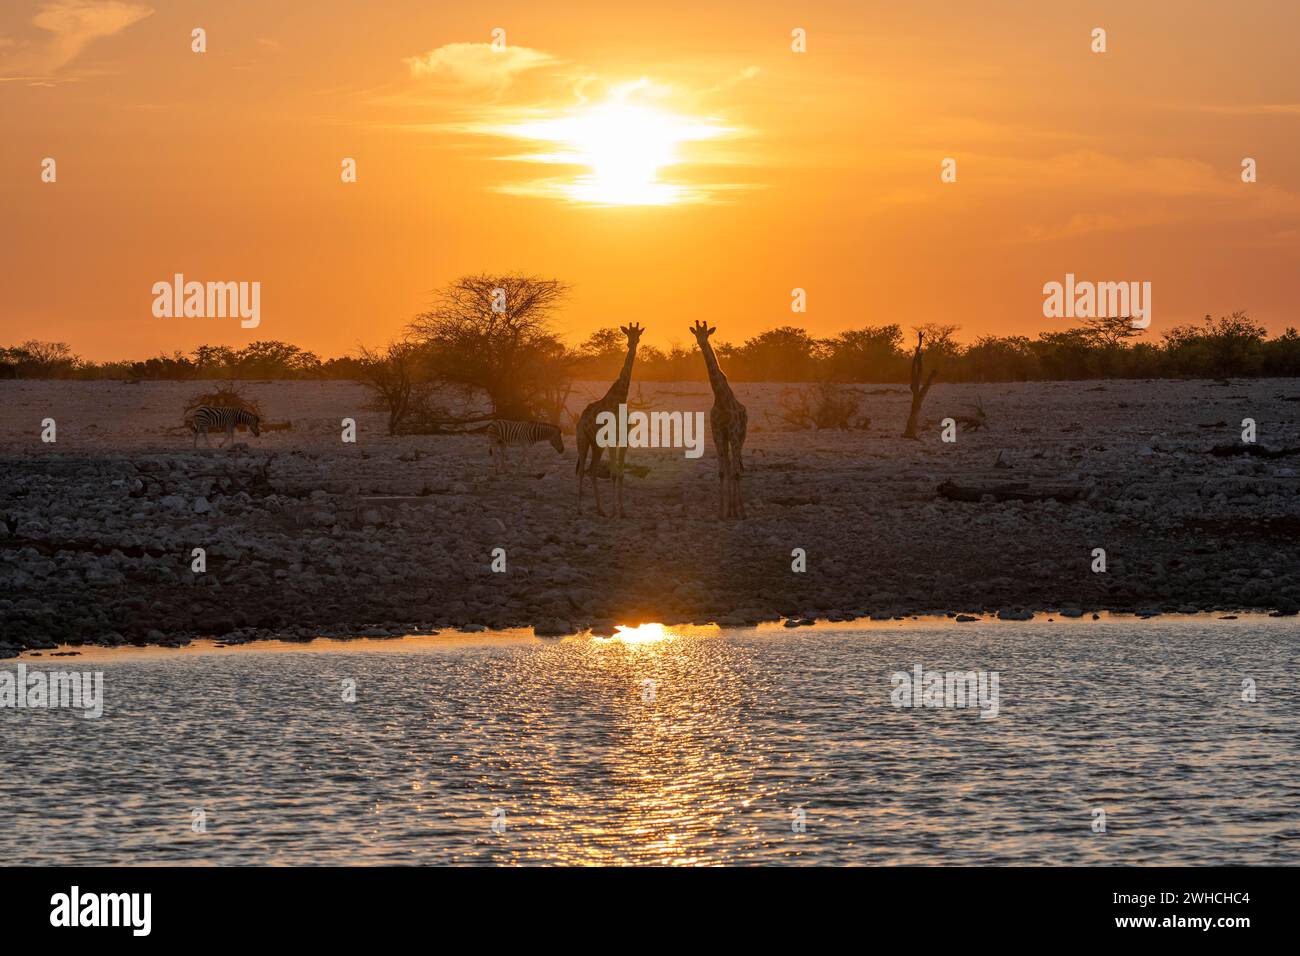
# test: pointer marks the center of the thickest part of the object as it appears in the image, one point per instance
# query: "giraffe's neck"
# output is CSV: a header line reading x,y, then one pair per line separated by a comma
x,y
717,380
618,391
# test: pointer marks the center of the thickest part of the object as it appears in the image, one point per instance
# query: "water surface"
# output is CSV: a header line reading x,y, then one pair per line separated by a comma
x,y
565,747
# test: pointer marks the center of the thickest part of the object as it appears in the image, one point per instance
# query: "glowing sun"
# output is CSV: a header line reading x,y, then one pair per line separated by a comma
x,y
624,147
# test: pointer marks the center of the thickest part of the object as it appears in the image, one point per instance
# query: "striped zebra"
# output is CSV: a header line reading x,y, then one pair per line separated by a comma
x,y
503,434
211,416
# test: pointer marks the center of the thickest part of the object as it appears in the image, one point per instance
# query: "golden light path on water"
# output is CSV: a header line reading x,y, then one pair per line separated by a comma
x,y
679,765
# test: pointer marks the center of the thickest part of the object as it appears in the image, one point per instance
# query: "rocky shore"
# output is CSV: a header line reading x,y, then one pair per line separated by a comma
x,y
304,535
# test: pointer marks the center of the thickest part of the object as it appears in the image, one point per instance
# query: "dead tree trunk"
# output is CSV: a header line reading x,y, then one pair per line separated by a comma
x,y
919,391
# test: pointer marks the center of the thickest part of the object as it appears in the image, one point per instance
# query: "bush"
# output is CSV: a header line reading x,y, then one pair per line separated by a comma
x,y
225,395
823,405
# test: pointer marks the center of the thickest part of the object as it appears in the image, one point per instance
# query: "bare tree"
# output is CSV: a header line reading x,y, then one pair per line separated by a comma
x,y
394,375
37,359
919,391
492,334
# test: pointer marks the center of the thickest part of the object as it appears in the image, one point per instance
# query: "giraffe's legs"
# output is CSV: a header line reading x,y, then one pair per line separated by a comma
x,y
616,471
582,454
720,446
595,467
724,487
737,469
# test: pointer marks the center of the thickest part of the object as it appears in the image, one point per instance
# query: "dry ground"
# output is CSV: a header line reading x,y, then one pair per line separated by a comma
x,y
97,528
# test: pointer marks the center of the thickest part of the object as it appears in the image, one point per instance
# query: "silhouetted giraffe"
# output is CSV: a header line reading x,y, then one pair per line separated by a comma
x,y
728,420
588,427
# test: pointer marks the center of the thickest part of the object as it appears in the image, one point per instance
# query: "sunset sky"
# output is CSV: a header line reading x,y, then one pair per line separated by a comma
x,y
669,160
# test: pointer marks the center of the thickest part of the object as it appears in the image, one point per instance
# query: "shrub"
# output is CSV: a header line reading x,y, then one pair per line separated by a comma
x,y
822,405
225,395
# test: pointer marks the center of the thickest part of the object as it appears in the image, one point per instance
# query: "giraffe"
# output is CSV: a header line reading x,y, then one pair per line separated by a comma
x,y
587,429
728,420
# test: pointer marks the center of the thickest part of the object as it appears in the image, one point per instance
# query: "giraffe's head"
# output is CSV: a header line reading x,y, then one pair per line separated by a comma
x,y
701,331
633,333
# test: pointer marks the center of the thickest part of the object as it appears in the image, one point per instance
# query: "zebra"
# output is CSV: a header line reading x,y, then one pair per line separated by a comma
x,y
211,416
502,434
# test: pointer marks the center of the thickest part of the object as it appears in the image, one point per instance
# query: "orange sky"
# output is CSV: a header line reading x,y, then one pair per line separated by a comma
x,y
820,170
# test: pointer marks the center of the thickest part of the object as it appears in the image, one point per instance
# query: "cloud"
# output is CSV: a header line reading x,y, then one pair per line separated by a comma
x,y
72,25
477,65
748,73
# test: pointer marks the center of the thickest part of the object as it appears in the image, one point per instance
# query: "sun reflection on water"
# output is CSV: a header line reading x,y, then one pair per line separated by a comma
x,y
640,634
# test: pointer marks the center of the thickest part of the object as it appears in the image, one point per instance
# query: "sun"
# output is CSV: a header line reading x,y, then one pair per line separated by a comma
x,y
624,146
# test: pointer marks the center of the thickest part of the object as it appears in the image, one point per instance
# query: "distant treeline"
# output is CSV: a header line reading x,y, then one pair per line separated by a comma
x,y
1230,346
270,359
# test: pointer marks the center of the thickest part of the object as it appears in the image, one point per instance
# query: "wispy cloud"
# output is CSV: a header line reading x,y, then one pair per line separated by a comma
x,y
66,28
477,65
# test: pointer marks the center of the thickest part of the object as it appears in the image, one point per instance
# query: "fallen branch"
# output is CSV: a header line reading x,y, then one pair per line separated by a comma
x,y
976,420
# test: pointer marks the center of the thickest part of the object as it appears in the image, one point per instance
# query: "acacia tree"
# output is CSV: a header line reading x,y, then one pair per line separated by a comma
x,y
492,334
1109,332
870,354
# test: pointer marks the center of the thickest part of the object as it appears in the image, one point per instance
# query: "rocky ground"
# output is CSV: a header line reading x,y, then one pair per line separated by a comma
x,y
97,529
